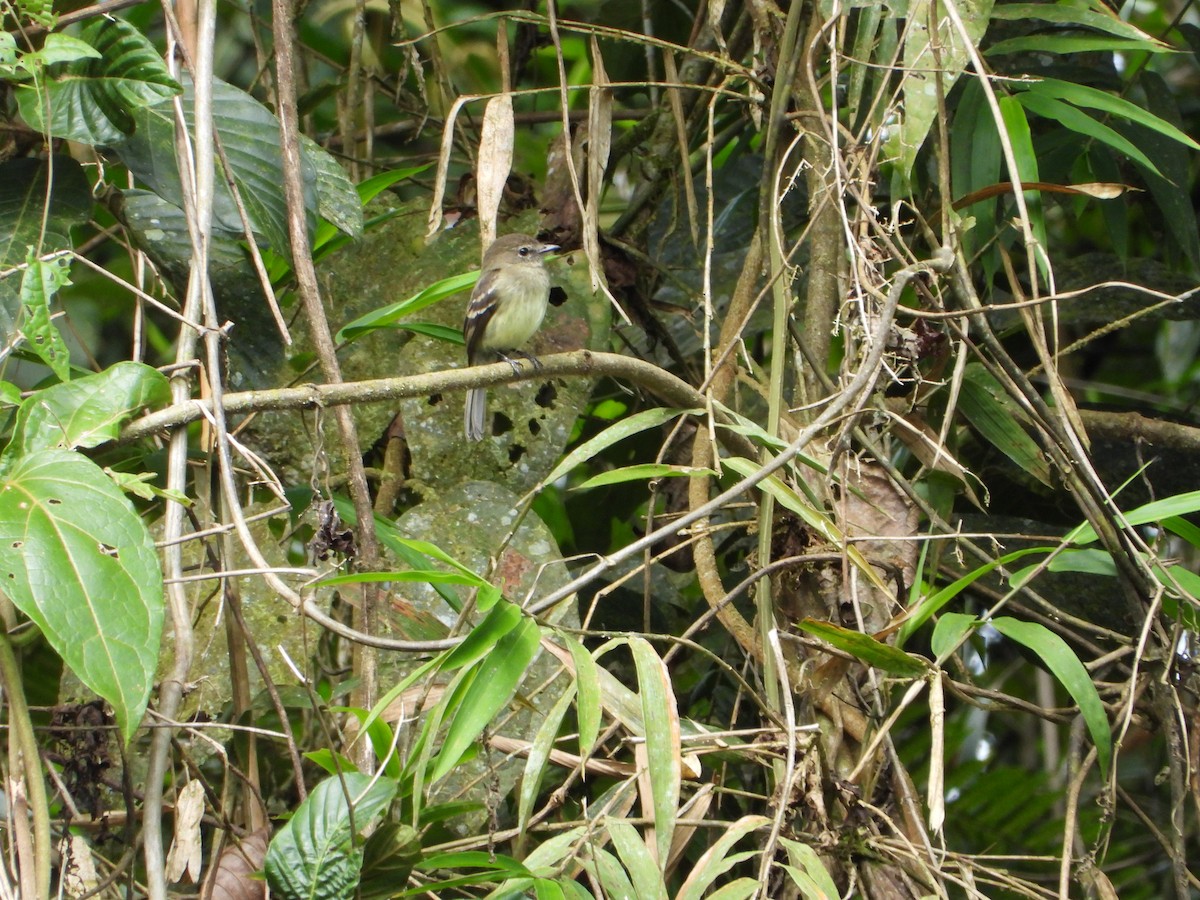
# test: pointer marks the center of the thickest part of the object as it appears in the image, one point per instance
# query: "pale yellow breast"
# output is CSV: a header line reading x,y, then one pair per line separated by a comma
x,y
520,309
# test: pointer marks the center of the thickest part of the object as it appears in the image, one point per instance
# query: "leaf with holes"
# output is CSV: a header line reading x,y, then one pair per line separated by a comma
x,y
76,559
85,412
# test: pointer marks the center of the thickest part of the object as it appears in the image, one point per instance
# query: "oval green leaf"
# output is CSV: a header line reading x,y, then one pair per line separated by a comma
x,y
76,558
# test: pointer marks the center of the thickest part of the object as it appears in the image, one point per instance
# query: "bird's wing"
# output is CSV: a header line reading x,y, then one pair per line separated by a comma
x,y
479,312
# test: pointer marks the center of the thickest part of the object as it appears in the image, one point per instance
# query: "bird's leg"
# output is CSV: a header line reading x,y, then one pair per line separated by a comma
x,y
533,360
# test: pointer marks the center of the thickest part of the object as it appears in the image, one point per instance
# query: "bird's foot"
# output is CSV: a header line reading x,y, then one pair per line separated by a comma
x,y
516,367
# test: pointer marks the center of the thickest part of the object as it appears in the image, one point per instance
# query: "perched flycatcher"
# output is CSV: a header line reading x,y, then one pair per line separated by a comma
x,y
506,308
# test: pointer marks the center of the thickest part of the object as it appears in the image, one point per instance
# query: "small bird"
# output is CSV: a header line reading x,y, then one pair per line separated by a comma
x,y
506,308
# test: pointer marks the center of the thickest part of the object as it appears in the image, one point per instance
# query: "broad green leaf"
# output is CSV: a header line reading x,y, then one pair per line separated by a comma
x,y
716,860
370,188
391,314
539,755
1094,98
738,889
444,812
643,472
142,486
1183,528
331,762
414,553
871,651
404,684
996,416
1020,138
92,100
804,858
1075,43
492,865
388,859
337,200
576,891
587,687
1078,121
500,672
41,280
419,576
314,854
866,41
445,887
661,716
610,409
550,855
415,774
949,633
446,333
8,55
381,736
88,411
485,636
739,424
934,602
643,871
249,134
976,161
756,433
613,434
546,889
461,859
610,875
1061,660
1091,562
514,889
1092,14
160,229
1185,610
62,48
40,12
619,701
1155,511
29,188
921,66
1173,160
78,560
809,889
434,552
546,860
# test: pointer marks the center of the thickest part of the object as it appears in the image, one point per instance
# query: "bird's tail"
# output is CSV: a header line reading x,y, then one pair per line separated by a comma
x,y
476,409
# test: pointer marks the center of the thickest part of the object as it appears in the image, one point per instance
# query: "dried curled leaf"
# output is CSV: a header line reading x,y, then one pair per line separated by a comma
x,y
495,161
186,850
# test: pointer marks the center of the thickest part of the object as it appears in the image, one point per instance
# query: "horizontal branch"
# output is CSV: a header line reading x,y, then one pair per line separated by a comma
x,y
585,363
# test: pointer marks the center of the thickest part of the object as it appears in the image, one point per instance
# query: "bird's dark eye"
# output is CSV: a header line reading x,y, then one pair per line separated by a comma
x,y
524,251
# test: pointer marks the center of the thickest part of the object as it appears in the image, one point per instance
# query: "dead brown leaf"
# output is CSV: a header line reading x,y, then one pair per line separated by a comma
x,y
232,879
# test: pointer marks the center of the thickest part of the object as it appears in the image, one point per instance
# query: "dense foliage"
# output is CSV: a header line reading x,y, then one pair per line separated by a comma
x,y
841,541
